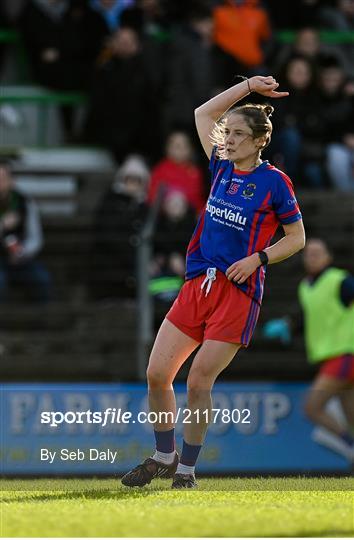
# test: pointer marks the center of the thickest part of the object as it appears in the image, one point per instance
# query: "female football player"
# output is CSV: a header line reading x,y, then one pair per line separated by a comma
x,y
218,306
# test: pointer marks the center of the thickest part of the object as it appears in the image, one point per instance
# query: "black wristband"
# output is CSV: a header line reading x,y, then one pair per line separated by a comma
x,y
263,257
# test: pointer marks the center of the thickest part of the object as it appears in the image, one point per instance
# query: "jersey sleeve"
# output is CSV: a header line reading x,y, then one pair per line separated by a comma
x,y
284,201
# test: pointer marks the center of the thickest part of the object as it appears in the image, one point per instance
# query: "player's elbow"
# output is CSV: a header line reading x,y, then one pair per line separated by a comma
x,y
296,234
197,113
301,241
296,241
202,112
204,118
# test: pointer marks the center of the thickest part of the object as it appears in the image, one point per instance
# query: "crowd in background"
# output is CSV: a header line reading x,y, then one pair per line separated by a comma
x,y
145,65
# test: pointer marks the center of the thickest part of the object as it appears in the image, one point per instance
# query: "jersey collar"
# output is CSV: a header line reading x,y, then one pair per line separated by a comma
x,y
246,173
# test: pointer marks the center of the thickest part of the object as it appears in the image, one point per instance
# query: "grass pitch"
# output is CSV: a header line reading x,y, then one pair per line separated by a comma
x,y
219,508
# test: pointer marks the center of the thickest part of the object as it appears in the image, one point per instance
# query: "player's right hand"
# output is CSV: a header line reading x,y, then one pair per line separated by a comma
x,y
266,86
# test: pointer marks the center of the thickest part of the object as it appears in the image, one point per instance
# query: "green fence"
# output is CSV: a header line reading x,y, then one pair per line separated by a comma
x,y
284,36
42,99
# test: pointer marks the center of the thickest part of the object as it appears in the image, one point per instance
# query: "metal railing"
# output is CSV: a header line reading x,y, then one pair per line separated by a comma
x,y
145,311
42,99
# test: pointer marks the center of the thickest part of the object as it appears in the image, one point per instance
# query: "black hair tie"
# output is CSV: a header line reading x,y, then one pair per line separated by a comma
x,y
243,79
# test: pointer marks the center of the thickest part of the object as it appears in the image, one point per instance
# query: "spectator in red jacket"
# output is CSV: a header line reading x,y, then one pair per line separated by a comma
x,y
178,172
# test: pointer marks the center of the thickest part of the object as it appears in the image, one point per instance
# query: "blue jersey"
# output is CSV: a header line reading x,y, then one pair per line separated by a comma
x,y
242,214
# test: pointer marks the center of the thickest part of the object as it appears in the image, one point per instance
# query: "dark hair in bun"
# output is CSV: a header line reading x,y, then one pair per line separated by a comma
x,y
268,109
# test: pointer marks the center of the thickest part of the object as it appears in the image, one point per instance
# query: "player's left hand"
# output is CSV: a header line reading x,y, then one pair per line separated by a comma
x,y
242,269
266,86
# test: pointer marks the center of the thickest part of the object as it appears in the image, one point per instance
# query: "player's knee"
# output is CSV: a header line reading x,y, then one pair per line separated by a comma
x,y
198,384
157,378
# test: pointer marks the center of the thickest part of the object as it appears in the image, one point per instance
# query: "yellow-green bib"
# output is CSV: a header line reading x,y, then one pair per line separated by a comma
x,y
329,325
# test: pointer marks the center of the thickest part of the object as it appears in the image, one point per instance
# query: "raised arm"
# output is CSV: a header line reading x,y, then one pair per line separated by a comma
x,y
207,114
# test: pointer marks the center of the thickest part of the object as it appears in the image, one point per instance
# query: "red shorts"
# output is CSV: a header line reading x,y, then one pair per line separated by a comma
x,y
339,367
225,314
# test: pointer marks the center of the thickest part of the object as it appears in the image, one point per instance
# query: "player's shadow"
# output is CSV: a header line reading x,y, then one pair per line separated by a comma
x,y
331,533
94,494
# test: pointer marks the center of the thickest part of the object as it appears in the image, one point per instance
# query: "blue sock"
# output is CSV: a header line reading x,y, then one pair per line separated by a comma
x,y
348,438
190,453
165,441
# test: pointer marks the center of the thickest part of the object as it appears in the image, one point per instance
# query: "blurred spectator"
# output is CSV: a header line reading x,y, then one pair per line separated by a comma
x,y
295,144
62,41
242,28
178,12
338,17
120,217
335,103
149,18
123,113
178,172
191,77
308,44
111,11
292,15
174,227
336,115
340,154
341,19
21,240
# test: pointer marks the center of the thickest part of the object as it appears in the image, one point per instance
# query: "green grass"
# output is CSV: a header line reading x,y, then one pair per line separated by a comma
x,y
220,507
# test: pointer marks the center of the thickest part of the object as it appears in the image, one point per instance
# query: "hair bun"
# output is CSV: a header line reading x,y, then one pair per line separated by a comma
x,y
268,109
